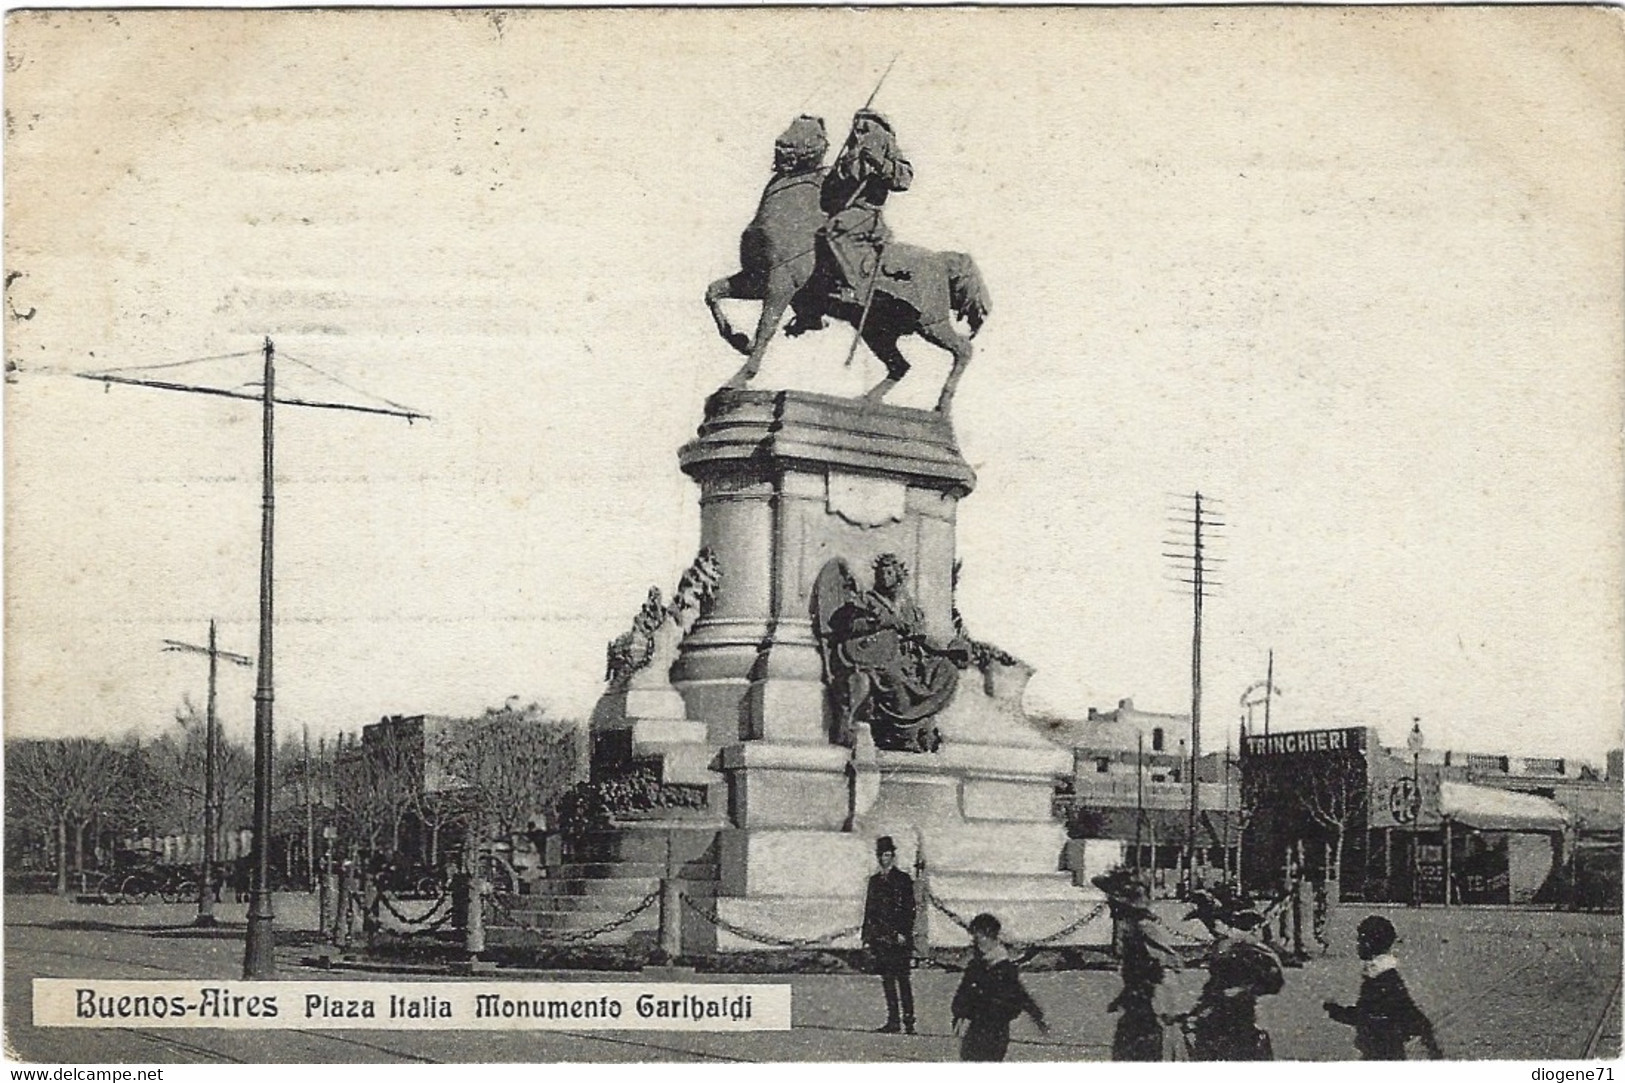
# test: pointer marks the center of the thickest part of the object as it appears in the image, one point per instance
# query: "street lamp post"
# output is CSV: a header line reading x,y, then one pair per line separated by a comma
x,y
259,956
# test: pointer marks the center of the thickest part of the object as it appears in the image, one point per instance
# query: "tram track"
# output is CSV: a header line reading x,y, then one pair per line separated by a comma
x,y
1457,1004
1609,1008
168,1042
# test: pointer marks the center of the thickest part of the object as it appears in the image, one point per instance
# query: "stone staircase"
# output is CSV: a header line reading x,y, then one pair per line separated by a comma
x,y
602,879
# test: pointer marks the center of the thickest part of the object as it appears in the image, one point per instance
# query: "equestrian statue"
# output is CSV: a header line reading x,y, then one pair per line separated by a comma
x,y
820,248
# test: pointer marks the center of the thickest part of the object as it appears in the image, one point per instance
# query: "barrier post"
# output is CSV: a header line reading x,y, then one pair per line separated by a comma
x,y
341,917
474,931
671,917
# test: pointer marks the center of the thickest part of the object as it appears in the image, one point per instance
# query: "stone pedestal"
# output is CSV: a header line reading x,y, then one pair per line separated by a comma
x,y
790,481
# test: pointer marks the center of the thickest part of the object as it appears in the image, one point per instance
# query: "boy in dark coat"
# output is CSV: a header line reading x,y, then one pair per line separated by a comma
x,y
990,996
888,933
1385,1016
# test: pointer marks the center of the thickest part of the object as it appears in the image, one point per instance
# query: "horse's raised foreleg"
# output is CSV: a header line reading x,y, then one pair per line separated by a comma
x,y
776,298
735,287
942,333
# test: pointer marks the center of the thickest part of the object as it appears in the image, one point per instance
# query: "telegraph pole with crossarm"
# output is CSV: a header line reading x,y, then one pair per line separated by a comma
x,y
211,752
1193,566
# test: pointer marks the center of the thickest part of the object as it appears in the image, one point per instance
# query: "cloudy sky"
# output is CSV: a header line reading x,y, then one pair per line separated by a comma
x,y
1356,272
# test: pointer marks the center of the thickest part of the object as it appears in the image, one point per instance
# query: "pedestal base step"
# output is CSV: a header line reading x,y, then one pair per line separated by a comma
x,y
785,924
562,929
1032,909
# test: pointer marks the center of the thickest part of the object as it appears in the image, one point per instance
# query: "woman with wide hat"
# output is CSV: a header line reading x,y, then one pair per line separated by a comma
x,y
1147,955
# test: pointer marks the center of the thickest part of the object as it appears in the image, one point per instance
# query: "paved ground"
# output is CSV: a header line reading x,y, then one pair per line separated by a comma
x,y
1498,984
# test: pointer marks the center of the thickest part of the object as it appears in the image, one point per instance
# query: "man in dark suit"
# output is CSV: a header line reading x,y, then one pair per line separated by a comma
x,y
888,933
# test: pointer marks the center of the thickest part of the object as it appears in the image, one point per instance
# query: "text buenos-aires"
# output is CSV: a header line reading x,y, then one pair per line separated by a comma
x,y
213,1002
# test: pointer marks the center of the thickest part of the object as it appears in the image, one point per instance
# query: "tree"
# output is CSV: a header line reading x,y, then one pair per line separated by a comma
x,y
171,769
443,805
515,763
380,776
64,783
393,769
1332,793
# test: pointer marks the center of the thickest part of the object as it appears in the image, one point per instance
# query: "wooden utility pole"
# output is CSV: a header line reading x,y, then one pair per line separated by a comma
x,y
259,960
1269,690
1196,691
310,817
1250,700
1192,560
1139,795
211,757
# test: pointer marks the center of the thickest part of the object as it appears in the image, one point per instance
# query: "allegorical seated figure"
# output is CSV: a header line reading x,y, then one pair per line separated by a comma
x,y
880,665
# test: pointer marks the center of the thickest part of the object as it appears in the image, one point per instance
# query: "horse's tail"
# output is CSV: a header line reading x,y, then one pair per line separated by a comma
x,y
967,293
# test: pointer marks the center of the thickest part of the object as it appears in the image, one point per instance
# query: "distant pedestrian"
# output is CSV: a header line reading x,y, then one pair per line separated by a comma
x,y
1384,1017
1147,956
990,996
888,933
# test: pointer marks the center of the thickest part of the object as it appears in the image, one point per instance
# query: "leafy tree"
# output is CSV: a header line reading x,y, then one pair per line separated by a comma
x,y
1332,793
63,784
172,775
513,763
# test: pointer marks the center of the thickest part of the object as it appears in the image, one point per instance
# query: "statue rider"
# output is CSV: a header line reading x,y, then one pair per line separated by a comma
x,y
868,169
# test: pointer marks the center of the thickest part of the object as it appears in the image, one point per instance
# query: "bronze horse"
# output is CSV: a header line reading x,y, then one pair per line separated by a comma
x,y
916,292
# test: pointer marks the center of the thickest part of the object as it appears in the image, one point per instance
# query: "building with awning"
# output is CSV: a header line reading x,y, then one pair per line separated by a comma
x,y
1499,846
1417,824
1485,809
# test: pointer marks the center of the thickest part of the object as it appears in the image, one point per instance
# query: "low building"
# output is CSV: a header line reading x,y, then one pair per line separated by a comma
x,y
1417,824
1131,783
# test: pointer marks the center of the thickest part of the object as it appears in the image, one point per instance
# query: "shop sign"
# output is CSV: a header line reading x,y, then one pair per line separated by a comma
x,y
1404,795
1349,739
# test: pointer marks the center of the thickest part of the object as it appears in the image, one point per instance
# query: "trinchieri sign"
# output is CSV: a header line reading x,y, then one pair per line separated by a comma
x,y
1350,739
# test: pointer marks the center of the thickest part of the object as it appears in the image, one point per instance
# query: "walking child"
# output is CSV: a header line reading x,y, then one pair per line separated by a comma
x,y
990,996
1385,1017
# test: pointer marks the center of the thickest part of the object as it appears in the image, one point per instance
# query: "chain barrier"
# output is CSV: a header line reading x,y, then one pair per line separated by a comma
x,y
404,919
1180,934
574,937
826,940
426,925
1274,906
1021,945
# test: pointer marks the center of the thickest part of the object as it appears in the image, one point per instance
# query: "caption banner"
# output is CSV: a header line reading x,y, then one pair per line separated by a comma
x,y
470,1005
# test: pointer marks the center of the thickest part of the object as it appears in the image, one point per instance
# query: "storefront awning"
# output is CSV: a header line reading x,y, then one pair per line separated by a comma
x,y
1500,810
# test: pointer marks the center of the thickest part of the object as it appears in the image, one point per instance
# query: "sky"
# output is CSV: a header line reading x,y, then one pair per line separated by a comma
x,y
1353,273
